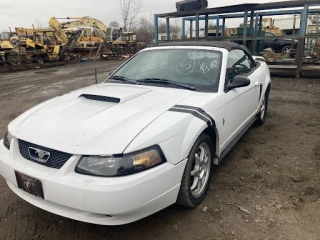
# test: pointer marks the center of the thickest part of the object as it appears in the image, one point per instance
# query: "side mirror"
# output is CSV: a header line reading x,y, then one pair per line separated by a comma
x,y
238,82
111,72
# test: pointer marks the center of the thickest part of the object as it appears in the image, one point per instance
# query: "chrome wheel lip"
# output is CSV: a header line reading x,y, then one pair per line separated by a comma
x,y
263,109
200,173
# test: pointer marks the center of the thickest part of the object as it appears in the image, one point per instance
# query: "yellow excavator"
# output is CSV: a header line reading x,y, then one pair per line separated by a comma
x,y
100,32
96,37
268,26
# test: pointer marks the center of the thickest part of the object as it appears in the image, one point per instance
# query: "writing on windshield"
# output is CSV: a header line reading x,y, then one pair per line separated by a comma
x,y
198,61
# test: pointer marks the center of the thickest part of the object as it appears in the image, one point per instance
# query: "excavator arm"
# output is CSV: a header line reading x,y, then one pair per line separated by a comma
x,y
78,22
56,25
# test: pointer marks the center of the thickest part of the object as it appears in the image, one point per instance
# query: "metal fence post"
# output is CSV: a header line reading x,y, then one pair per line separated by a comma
x,y
251,29
183,32
217,26
223,27
255,49
168,28
302,33
206,28
156,29
197,26
245,27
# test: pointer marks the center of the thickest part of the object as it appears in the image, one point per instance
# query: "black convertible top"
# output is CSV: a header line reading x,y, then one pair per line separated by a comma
x,y
220,44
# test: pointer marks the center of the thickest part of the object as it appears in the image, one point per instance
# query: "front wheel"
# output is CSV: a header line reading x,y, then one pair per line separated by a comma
x,y
197,173
263,110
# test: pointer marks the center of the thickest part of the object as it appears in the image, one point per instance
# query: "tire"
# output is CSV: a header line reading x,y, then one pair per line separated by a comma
x,y
263,110
192,194
65,55
14,59
286,50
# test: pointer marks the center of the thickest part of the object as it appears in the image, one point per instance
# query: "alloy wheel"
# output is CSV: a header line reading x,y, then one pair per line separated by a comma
x,y
201,170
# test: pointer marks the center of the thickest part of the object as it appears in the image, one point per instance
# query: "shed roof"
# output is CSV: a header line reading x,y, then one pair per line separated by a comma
x,y
242,8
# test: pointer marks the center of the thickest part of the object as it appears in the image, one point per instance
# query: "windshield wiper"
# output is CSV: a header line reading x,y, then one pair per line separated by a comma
x,y
124,79
166,81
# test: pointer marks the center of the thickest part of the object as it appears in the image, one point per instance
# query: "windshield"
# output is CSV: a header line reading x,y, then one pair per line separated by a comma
x,y
198,68
5,36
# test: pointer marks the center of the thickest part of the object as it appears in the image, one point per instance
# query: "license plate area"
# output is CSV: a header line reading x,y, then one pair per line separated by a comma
x,y
29,184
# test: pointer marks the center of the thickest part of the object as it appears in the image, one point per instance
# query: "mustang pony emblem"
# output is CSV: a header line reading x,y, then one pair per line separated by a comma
x,y
39,155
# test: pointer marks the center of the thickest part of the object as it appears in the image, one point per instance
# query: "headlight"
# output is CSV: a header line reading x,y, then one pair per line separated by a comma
x,y
7,139
110,166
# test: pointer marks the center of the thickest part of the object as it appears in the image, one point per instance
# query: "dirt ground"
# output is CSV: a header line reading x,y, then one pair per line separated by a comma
x,y
271,178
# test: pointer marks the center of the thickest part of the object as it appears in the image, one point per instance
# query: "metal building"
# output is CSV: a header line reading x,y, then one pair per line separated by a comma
x,y
252,15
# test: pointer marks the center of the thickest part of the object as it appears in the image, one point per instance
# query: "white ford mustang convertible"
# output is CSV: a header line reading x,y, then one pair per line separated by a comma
x,y
146,138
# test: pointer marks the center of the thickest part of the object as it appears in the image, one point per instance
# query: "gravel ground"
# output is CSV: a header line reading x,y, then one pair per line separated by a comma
x,y
266,188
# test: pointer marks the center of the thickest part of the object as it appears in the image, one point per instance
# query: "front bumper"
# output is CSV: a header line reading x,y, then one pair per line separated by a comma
x,y
105,201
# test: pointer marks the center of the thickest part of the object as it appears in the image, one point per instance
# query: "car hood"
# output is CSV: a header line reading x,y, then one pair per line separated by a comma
x,y
100,119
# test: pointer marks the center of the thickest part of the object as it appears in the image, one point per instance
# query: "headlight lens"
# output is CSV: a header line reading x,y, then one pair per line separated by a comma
x,y
7,139
110,166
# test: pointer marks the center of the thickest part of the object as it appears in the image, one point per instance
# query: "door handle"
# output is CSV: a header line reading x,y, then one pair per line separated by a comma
x,y
256,84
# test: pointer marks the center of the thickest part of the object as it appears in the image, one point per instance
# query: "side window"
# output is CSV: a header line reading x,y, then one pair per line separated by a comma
x,y
238,63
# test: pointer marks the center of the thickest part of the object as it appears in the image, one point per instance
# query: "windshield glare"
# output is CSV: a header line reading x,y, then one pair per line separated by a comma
x,y
199,68
8,35
5,36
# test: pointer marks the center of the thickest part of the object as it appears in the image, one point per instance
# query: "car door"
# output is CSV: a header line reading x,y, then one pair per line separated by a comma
x,y
241,104
269,43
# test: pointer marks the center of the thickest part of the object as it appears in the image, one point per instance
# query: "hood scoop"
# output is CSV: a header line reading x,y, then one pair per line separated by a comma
x,y
100,98
114,93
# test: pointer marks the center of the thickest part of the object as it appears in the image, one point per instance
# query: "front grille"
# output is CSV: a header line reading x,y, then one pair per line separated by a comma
x,y
57,159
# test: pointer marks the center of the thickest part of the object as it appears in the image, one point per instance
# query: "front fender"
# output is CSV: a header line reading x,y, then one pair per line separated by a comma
x,y
174,132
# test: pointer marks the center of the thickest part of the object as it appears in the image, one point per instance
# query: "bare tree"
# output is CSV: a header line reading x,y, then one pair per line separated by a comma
x,y
145,31
129,11
114,24
214,26
38,24
162,28
175,28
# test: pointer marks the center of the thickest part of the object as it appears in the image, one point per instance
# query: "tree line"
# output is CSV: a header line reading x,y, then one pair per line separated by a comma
x,y
133,19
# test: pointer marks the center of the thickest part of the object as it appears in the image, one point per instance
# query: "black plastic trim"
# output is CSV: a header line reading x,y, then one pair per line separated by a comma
x,y
235,140
200,110
192,112
100,98
6,141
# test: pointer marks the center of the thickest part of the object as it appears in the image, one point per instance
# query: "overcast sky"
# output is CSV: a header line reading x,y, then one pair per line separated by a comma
x,y
22,13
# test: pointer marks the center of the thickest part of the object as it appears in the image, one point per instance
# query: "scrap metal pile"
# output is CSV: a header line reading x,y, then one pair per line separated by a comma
x,y
84,37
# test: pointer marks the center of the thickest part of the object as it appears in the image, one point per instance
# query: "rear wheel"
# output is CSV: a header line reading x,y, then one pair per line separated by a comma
x,y
286,50
197,173
66,55
14,59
